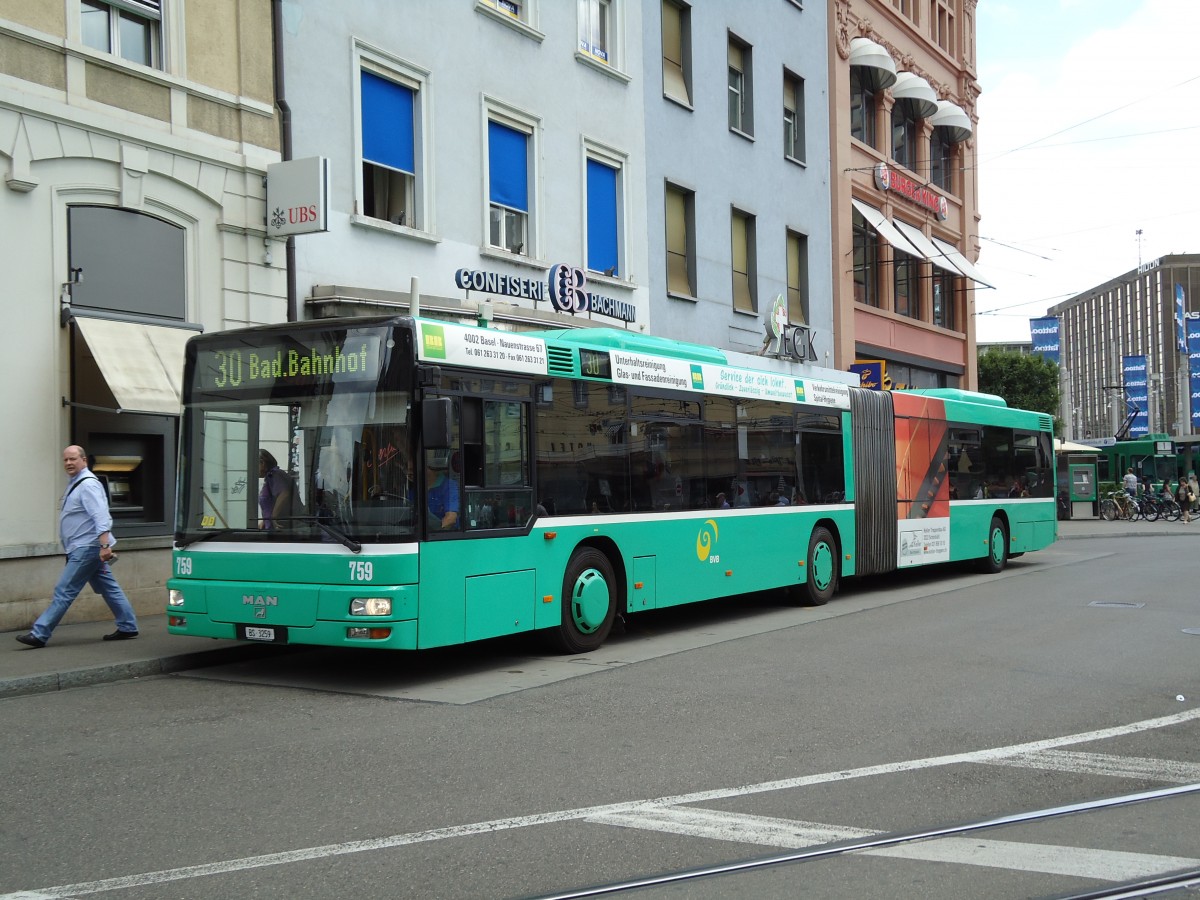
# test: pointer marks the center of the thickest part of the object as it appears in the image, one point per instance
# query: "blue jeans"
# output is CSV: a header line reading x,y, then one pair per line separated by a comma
x,y
84,567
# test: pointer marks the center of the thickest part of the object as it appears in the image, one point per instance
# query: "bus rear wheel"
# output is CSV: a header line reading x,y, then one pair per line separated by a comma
x,y
997,548
821,568
589,602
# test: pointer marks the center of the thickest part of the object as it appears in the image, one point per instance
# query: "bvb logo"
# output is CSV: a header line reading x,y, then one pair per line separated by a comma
x,y
706,539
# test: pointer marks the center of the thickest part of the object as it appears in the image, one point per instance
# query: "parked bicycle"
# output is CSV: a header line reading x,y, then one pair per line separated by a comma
x,y
1119,505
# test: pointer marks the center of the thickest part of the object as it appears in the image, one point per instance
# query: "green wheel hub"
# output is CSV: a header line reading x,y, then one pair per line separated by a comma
x,y
997,545
821,572
589,601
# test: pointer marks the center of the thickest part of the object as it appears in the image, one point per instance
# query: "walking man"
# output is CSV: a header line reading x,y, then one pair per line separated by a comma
x,y
85,529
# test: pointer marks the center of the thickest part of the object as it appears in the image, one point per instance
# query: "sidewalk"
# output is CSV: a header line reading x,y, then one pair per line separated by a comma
x,y
77,656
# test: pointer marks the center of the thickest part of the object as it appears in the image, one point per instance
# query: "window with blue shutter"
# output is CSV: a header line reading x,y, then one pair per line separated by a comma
x,y
387,124
508,166
602,255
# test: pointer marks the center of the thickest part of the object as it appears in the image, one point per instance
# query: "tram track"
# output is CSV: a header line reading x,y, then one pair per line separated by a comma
x,y
1139,887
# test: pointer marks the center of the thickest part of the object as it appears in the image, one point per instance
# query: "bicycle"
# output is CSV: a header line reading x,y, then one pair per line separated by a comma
x,y
1119,505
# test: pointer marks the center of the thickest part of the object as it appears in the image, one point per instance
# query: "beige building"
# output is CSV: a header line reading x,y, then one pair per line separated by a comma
x,y
134,140
904,198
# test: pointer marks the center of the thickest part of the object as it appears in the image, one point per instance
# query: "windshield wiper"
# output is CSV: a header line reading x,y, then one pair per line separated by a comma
x,y
181,541
339,536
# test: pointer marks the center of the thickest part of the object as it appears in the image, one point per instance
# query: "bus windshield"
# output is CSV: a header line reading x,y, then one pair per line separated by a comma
x,y
277,450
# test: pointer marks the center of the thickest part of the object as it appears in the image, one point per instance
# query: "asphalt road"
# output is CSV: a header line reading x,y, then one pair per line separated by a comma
x,y
698,737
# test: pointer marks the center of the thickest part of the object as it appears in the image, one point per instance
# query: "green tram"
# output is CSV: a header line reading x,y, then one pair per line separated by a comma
x,y
1156,456
405,483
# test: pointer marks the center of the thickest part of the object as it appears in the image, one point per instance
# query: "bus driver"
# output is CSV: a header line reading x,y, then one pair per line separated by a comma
x,y
441,492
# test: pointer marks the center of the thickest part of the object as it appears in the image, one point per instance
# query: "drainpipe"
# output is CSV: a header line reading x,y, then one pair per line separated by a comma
x,y
285,135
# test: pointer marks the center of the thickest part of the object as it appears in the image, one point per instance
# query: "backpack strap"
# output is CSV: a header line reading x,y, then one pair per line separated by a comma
x,y
77,484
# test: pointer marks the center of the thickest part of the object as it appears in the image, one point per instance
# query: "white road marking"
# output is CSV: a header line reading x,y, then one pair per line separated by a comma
x,y
307,854
1136,767
1102,865
734,827
1079,862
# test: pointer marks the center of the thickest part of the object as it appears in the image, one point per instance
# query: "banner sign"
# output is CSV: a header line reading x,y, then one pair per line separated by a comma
x,y
1193,352
1179,307
1137,394
1044,332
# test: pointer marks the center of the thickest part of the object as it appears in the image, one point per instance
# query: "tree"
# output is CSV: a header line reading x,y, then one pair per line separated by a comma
x,y
1024,380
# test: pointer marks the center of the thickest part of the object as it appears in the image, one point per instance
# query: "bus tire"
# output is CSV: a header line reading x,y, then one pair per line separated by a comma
x,y
997,548
589,602
821,568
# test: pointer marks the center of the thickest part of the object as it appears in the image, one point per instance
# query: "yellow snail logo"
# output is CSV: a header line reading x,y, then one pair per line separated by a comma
x,y
706,539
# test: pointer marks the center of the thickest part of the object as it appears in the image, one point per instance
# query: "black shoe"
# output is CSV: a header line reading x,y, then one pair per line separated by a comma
x,y
121,636
30,641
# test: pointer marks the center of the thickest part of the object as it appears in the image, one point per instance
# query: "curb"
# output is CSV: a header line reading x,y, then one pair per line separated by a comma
x,y
123,671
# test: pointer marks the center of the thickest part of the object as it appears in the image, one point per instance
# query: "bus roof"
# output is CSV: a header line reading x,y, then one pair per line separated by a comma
x,y
614,339
959,395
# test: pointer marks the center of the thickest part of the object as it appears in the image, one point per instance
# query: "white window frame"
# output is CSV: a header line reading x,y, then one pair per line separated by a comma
x,y
155,21
608,18
519,15
393,68
614,159
519,120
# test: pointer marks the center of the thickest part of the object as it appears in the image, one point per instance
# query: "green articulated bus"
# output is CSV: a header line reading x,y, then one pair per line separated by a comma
x,y
405,483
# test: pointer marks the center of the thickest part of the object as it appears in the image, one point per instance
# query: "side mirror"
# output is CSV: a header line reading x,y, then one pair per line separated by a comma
x,y
437,415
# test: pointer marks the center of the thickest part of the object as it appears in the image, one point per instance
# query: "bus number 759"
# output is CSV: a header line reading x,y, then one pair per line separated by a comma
x,y
361,571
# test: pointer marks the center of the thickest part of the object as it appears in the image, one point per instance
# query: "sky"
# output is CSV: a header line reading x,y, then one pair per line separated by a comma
x,y
1089,132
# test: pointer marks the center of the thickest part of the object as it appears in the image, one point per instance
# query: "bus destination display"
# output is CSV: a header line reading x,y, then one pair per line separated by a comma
x,y
290,361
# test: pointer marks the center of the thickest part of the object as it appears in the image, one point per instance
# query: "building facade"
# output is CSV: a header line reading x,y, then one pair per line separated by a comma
x,y
472,186
902,77
134,139
737,172
1137,314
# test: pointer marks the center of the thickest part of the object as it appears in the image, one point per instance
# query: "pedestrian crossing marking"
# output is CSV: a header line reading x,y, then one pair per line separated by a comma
x,y
1046,859
1136,767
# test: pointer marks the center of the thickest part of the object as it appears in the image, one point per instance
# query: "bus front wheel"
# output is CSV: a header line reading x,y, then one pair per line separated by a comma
x,y
588,602
821,568
997,548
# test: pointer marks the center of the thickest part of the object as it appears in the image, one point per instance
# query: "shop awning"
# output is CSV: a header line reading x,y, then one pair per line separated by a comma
x,y
915,91
961,262
878,68
1071,447
917,238
885,228
951,118
142,364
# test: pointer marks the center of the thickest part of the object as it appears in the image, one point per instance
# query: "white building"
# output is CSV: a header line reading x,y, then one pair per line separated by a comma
x,y
134,138
492,139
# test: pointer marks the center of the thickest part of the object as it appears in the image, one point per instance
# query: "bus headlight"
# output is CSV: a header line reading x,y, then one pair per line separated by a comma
x,y
371,606
174,597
